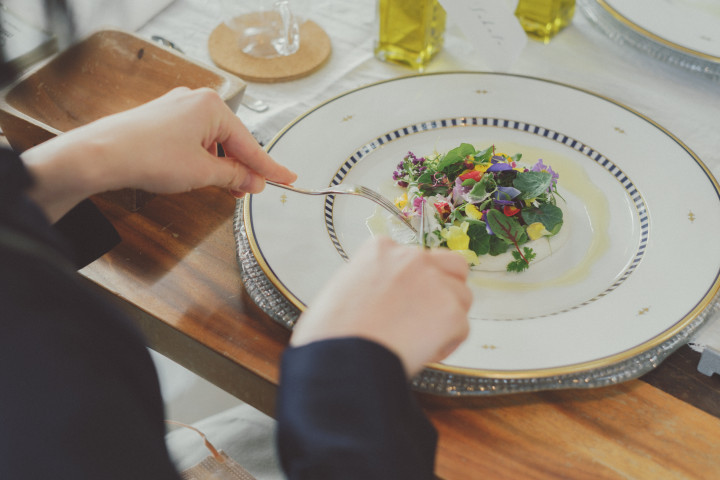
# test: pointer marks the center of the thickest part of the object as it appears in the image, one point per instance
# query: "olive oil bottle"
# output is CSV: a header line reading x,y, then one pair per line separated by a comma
x,y
410,32
543,19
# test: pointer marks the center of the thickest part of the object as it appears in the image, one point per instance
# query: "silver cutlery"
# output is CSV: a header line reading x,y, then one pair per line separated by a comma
x,y
254,104
347,189
421,234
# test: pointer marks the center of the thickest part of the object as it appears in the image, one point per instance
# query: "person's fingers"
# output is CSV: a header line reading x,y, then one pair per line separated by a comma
x,y
449,348
233,175
449,262
250,153
239,144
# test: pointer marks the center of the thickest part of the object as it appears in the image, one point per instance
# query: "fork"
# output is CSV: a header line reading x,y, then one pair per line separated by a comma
x,y
347,189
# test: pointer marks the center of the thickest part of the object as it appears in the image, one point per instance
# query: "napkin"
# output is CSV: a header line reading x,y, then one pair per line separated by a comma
x,y
708,335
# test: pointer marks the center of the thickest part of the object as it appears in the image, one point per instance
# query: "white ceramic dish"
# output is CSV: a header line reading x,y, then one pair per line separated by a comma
x,y
635,278
685,33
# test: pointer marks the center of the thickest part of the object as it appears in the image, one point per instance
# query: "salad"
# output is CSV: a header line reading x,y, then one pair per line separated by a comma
x,y
481,202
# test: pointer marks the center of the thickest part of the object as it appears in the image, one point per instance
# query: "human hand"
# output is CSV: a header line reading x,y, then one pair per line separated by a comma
x,y
413,301
168,145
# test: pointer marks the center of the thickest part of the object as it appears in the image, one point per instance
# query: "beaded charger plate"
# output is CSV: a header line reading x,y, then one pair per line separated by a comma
x,y
684,33
637,275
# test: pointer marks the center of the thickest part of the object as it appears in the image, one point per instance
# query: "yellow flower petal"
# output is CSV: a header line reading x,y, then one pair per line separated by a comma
x,y
472,212
536,230
401,202
456,238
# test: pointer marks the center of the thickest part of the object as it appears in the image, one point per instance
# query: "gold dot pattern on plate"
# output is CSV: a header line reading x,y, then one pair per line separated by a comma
x,y
481,92
691,216
283,199
347,118
620,130
643,311
489,347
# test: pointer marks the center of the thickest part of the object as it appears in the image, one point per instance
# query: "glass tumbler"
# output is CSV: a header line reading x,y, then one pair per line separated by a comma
x,y
263,28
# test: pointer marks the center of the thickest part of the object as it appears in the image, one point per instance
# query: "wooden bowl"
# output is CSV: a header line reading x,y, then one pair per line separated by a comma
x,y
108,72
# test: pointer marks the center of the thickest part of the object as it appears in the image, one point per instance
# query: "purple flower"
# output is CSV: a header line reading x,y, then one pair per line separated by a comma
x,y
541,167
508,193
417,202
504,195
499,167
459,192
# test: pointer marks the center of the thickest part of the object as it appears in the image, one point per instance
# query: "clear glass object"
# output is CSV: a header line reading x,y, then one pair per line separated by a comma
x,y
543,19
263,28
410,32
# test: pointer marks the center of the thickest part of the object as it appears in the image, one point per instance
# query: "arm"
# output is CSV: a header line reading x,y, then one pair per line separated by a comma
x,y
165,146
345,409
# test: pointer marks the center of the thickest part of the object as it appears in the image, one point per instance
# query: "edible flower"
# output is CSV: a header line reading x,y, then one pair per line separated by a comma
x,y
505,195
456,236
472,212
443,209
401,202
510,210
536,230
459,192
541,167
471,175
417,204
499,167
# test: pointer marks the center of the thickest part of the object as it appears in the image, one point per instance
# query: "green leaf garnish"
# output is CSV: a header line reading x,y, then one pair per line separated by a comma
x,y
521,262
507,228
479,237
482,189
454,156
549,215
532,184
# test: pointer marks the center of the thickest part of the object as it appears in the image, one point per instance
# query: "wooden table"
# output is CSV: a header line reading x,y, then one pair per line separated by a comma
x,y
177,275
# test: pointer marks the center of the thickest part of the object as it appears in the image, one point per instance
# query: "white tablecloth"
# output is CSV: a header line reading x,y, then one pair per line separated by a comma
x,y
686,103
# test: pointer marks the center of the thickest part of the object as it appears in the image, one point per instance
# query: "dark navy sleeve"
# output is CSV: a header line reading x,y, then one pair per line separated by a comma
x,y
345,410
88,233
80,398
82,235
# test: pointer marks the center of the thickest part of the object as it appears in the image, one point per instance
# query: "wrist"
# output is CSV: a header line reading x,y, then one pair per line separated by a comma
x,y
65,172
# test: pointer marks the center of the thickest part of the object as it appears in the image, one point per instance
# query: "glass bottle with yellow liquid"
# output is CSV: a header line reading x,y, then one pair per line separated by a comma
x,y
543,19
410,31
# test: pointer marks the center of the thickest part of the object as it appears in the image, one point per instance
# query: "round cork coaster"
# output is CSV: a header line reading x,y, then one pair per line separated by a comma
x,y
314,50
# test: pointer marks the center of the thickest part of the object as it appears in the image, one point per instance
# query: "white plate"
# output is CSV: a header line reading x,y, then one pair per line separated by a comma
x,y
630,284
681,32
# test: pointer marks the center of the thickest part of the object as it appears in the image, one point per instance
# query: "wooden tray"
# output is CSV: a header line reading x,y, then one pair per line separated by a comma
x,y
108,72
